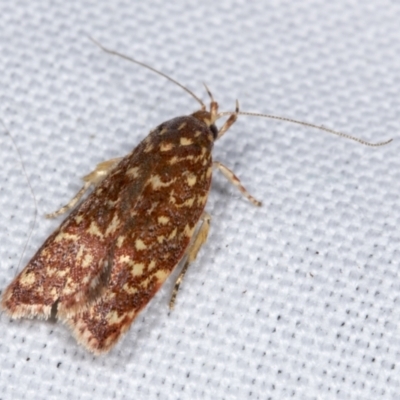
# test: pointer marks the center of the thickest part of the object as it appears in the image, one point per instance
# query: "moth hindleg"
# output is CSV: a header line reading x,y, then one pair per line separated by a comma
x,y
191,253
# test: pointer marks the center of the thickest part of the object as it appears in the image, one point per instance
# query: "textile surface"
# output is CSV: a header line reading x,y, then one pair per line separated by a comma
x,y
296,299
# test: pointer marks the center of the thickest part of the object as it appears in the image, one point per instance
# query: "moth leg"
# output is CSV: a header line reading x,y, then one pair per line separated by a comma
x,y
191,253
229,122
232,178
94,178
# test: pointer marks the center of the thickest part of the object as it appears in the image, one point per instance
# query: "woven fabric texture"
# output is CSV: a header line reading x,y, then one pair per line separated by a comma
x,y
296,299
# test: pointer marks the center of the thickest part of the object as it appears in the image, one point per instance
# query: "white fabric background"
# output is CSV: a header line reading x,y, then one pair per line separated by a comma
x,y
297,299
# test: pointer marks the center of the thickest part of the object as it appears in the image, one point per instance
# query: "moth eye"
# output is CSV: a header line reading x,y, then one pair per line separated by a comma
x,y
214,131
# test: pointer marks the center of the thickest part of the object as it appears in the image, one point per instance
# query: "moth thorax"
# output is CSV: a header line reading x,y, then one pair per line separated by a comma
x,y
206,117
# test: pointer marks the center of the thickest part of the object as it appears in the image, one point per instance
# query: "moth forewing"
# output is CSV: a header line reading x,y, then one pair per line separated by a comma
x,y
114,251
109,257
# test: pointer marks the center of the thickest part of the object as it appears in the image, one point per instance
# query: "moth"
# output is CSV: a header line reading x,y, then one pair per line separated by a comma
x,y
144,217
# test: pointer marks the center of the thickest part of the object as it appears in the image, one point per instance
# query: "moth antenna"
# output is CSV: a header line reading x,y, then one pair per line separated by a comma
x,y
320,127
113,52
30,188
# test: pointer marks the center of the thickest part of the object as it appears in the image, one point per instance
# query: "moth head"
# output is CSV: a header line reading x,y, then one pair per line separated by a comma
x,y
207,118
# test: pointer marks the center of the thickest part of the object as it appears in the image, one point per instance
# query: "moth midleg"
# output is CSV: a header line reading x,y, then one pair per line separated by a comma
x,y
93,178
232,178
191,253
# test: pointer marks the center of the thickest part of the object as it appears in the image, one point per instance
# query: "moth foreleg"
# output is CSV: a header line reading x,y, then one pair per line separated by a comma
x,y
191,253
232,178
92,179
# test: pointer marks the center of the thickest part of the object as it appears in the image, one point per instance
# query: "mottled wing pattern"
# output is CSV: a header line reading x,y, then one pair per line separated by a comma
x,y
155,235
70,264
109,257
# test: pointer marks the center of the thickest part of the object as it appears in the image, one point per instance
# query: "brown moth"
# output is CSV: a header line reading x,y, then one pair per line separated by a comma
x,y
106,261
